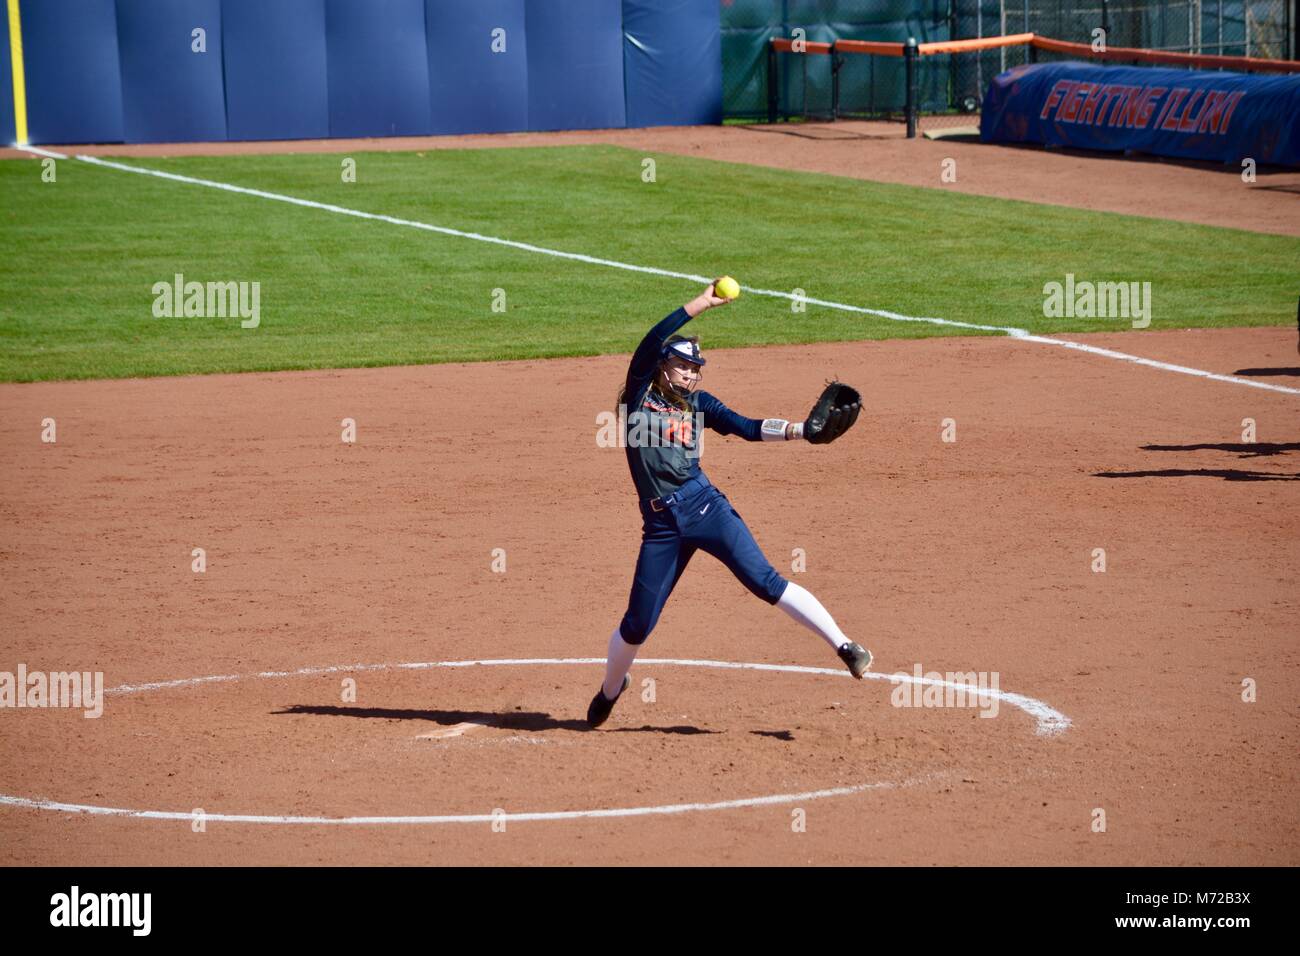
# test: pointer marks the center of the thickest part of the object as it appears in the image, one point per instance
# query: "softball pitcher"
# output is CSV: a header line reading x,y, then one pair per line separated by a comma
x,y
683,512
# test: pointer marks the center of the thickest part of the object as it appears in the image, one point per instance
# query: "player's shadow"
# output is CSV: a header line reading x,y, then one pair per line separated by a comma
x,y
530,721
1268,371
1241,449
1281,188
1227,474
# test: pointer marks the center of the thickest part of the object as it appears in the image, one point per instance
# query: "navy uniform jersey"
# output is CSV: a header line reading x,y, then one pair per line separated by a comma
x,y
662,441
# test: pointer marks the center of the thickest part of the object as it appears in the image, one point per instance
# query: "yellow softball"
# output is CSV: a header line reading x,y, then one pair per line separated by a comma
x,y
727,288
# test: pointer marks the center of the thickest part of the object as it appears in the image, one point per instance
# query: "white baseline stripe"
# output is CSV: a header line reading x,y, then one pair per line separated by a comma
x,y
1017,333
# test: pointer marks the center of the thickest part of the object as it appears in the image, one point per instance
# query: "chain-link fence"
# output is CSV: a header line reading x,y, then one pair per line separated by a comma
x,y
748,25
951,86
1259,28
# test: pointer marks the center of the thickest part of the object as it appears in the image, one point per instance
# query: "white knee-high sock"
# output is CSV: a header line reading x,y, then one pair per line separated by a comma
x,y
617,663
808,611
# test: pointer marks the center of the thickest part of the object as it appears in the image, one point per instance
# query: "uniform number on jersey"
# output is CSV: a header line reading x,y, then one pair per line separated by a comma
x,y
678,429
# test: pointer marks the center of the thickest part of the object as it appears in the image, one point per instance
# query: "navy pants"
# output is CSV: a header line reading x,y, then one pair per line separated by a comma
x,y
702,520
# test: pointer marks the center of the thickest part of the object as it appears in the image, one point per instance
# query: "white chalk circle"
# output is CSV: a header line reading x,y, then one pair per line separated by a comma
x,y
1048,722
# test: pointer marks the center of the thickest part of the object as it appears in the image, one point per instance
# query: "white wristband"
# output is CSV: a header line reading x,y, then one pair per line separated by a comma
x,y
778,429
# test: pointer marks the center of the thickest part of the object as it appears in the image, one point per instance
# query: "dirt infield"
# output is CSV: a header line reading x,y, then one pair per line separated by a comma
x,y
974,555
1187,192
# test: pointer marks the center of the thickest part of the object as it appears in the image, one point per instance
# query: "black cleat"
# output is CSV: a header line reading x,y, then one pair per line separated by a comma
x,y
856,658
601,705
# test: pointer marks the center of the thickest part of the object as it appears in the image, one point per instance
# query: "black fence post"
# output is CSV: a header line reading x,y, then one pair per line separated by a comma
x,y
771,82
909,57
1033,53
837,61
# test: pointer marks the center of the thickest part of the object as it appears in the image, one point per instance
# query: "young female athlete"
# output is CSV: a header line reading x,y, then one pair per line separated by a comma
x,y
683,512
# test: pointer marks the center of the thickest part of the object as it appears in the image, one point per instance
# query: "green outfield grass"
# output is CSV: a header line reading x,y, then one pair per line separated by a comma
x,y
79,258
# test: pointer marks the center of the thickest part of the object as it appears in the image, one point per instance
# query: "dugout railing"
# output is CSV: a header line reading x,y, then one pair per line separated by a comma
x,y
898,86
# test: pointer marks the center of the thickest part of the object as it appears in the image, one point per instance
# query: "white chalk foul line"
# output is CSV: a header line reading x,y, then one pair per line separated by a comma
x,y
1152,363
1049,722
1017,333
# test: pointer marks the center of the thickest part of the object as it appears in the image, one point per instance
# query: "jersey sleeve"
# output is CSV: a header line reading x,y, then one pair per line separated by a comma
x,y
726,422
646,357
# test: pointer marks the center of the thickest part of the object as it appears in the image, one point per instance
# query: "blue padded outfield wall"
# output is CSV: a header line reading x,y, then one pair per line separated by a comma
x,y
103,71
1225,117
72,70
575,64
169,92
274,54
669,47
477,90
6,85
378,67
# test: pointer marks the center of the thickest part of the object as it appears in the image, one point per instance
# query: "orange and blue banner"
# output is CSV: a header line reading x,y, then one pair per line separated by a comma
x,y
1218,116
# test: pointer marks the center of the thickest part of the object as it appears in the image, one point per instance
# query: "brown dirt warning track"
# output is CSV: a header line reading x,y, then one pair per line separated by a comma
x,y
974,555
